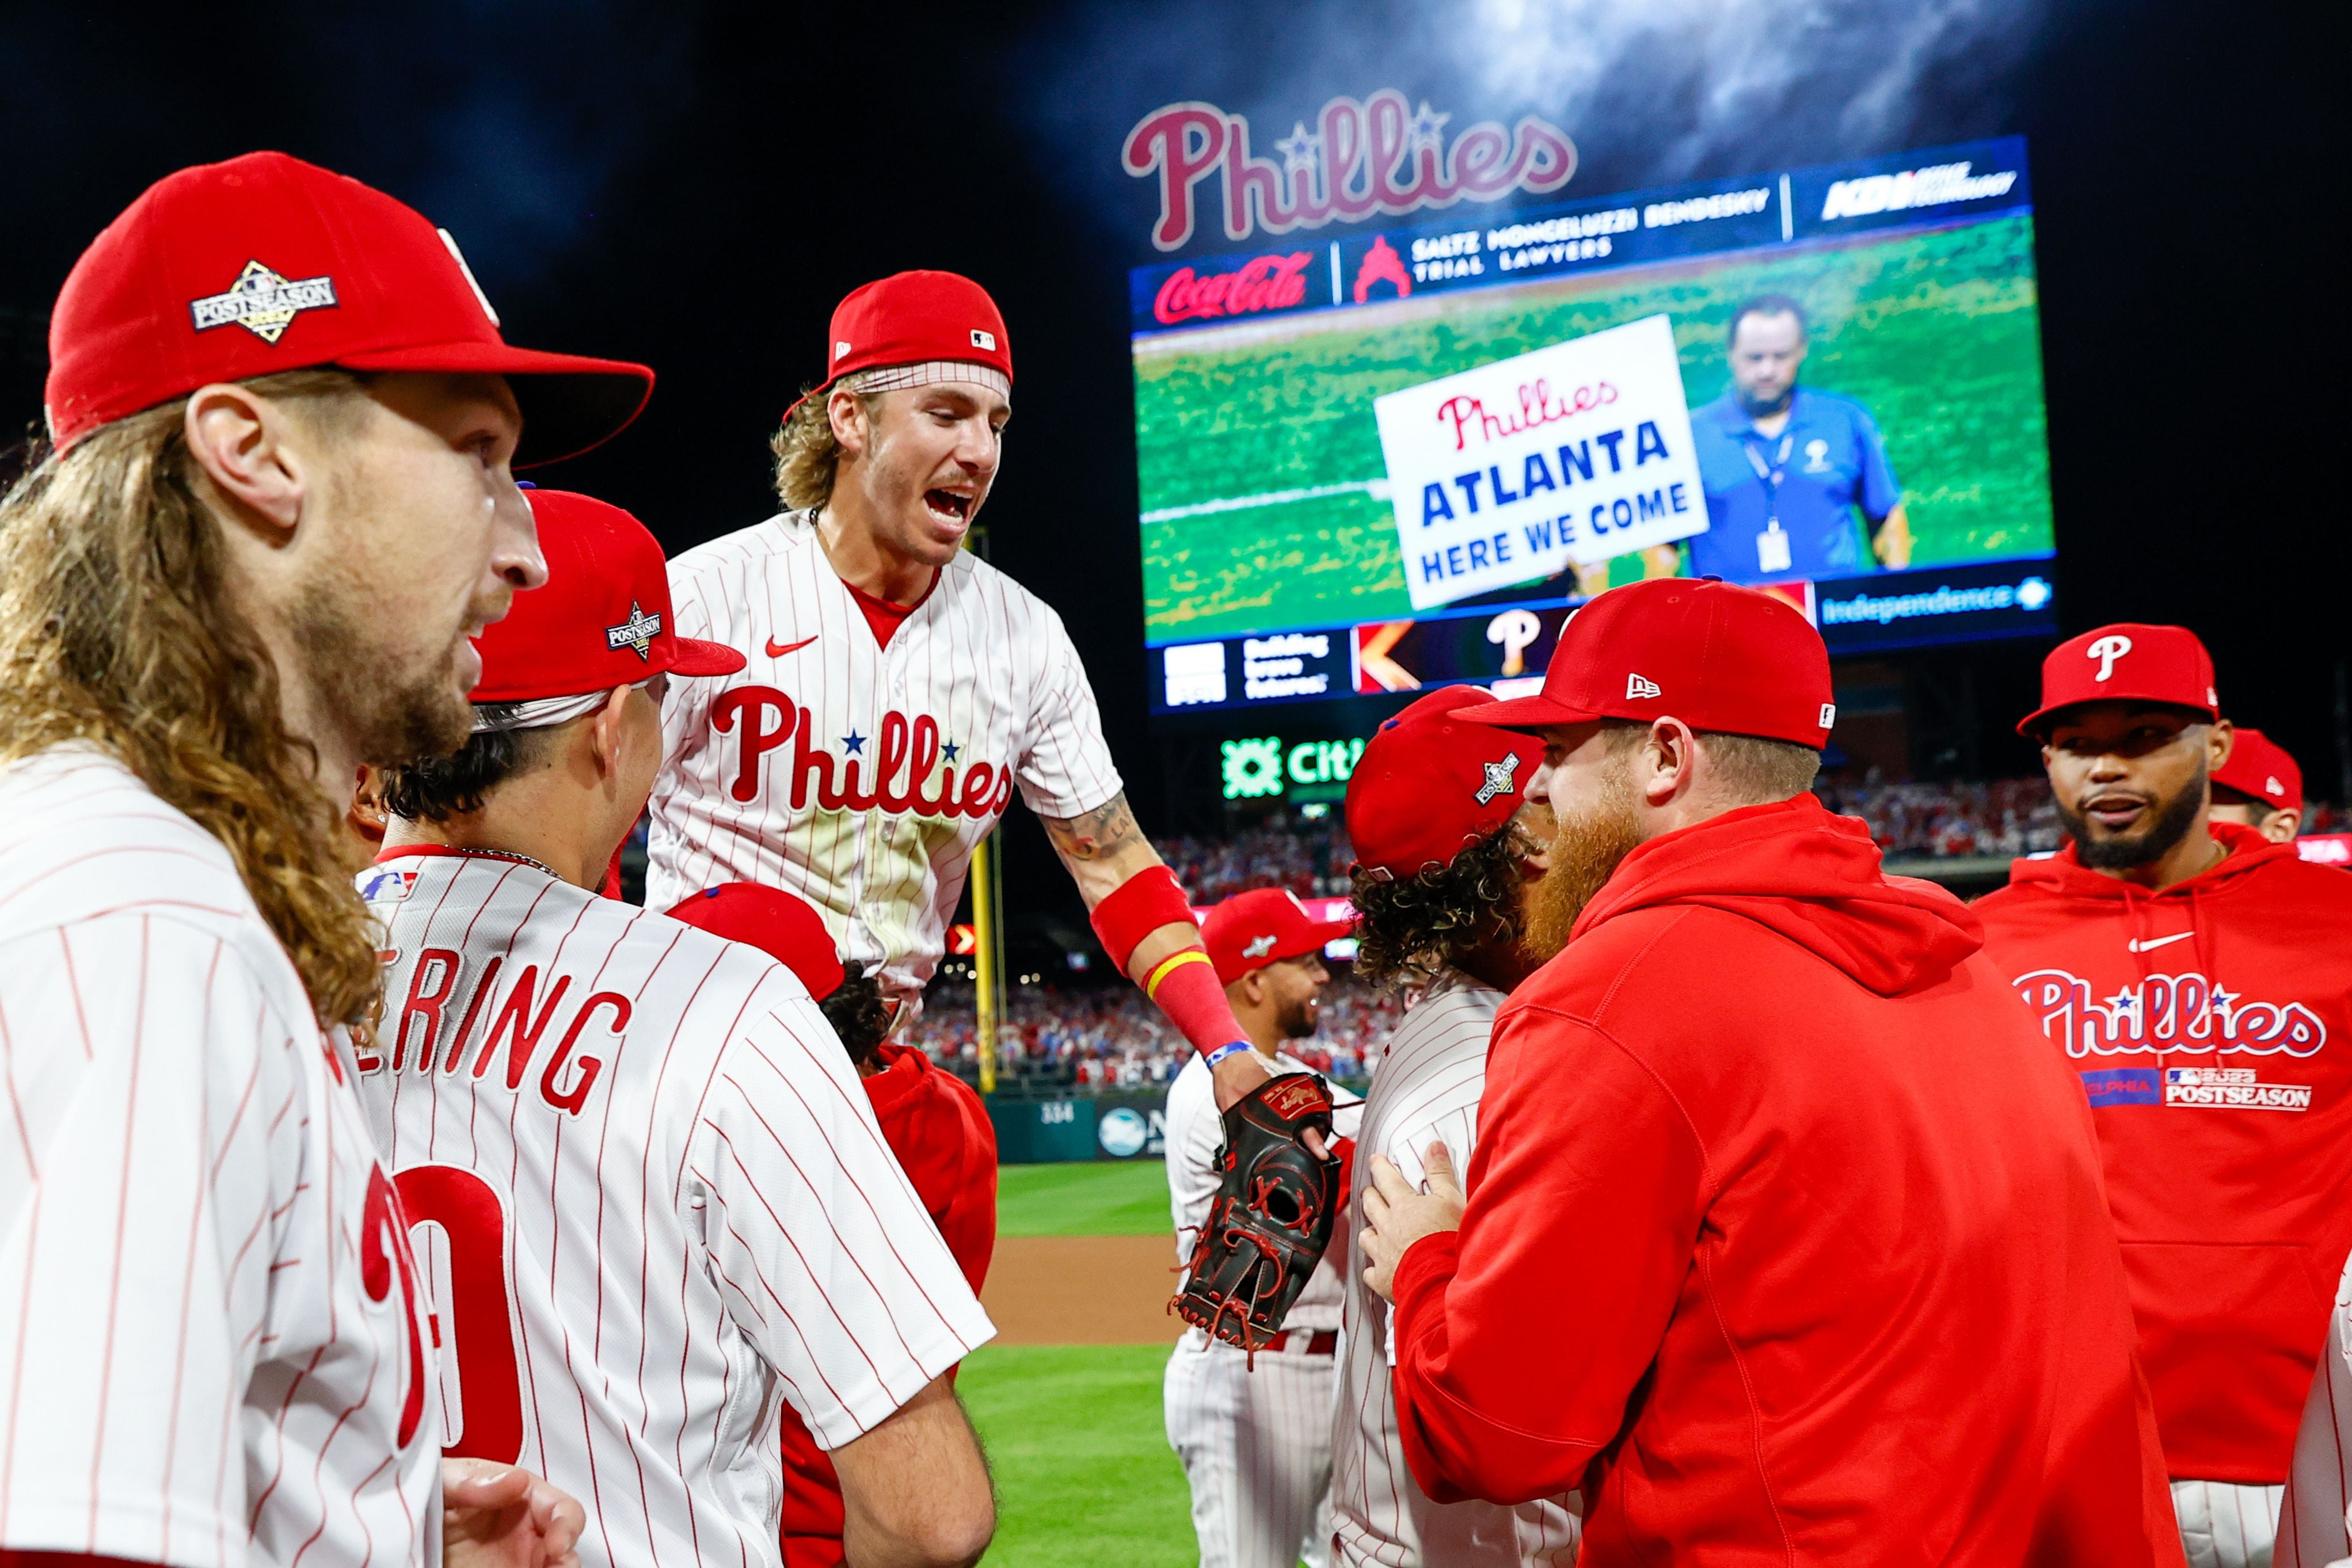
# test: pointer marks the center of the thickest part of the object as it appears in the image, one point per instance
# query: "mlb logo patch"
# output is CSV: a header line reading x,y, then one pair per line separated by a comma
x,y
984,340
386,884
2123,1086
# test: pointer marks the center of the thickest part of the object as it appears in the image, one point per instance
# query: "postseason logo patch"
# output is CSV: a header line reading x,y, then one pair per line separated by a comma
x,y
2234,1088
636,634
386,884
2123,1086
263,301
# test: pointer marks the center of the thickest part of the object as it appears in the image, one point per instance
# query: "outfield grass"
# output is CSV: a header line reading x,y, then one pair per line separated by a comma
x,y
1937,332
1084,1473
1087,1199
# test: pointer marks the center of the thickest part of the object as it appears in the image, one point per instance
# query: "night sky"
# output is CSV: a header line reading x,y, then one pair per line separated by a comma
x,y
696,186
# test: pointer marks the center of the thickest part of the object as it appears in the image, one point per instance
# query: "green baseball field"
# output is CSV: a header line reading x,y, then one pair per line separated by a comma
x,y
1263,495
1084,1473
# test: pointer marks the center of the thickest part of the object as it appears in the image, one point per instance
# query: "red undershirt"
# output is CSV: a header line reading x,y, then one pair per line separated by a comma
x,y
882,615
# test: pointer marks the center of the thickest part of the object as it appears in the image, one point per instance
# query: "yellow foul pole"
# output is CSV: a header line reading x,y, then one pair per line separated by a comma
x,y
988,924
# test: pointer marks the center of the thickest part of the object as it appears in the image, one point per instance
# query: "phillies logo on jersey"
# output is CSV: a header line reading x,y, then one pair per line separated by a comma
x,y
841,773
1383,156
2166,1012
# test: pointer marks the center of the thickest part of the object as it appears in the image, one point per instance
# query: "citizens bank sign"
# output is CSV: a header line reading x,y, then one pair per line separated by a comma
x,y
1383,156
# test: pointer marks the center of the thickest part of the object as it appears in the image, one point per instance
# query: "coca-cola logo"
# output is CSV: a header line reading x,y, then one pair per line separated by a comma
x,y
1267,283
1381,155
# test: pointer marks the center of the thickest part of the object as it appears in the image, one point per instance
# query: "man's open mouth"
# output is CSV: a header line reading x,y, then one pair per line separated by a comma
x,y
2115,813
948,506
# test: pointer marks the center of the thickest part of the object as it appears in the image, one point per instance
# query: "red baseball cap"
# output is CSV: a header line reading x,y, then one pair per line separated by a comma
x,y
2126,662
915,319
1431,784
2260,768
1717,657
786,929
229,271
1252,929
602,621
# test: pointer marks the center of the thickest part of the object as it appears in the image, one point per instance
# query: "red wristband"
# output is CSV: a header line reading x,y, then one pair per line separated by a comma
x,y
1135,909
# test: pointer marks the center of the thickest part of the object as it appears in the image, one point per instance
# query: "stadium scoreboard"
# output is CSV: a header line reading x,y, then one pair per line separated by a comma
x,y
1407,455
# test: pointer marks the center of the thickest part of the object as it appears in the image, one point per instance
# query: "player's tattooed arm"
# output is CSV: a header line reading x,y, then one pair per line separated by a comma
x,y
1104,847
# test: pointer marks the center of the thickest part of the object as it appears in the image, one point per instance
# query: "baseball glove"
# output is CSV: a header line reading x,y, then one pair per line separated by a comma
x,y
1271,1218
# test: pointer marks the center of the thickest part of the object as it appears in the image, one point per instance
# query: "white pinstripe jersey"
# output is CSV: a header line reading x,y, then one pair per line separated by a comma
x,y
2312,1527
861,777
210,1345
1195,1132
650,1199
1425,1091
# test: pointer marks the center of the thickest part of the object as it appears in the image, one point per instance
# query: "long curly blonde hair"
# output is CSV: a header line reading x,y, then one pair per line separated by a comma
x,y
118,628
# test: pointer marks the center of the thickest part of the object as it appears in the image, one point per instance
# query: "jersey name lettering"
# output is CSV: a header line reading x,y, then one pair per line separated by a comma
x,y
513,1023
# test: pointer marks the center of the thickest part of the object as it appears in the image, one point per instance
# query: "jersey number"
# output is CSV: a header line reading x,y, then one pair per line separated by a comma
x,y
475,1306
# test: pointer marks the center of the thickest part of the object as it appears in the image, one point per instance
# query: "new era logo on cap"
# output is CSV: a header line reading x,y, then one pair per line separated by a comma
x,y
1636,689
2107,650
2271,785
840,350
984,340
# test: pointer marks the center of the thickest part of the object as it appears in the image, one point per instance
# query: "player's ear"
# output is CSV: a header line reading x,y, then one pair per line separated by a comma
x,y
846,413
605,729
2220,742
245,443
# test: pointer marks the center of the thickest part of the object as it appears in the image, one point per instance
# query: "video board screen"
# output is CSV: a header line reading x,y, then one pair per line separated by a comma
x,y
1406,456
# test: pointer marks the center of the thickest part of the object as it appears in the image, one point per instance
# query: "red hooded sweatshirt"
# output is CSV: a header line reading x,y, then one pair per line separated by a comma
x,y
1785,1241
938,1128
2211,1023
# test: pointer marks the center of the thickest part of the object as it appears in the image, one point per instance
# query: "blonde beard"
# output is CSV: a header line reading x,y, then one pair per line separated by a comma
x,y
1586,852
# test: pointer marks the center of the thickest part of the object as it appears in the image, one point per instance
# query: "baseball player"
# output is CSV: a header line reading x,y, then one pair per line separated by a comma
x,y
2314,1527
278,501
649,1198
1442,865
1782,1242
1254,1431
2260,788
2198,976
935,1124
899,687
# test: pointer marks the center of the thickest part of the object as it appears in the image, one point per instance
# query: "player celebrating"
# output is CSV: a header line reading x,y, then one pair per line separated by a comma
x,y
899,687
279,502
1814,1239
2198,977
1254,1429
1443,862
935,1124
645,1148
2260,788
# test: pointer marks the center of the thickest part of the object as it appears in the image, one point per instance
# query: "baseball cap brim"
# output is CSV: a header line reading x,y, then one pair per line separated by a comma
x,y
1528,713
1314,938
569,403
695,657
2039,722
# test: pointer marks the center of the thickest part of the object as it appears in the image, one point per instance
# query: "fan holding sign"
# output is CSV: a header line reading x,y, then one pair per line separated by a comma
x,y
1568,455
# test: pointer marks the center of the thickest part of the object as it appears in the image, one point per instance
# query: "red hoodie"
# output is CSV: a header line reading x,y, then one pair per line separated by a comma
x,y
938,1128
2211,1023
1784,1241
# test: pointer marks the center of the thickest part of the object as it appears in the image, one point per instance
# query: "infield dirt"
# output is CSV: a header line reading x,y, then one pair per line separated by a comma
x,y
1082,1290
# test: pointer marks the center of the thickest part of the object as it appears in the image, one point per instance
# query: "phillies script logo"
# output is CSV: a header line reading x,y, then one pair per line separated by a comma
x,y
1269,283
1539,404
906,754
1381,155
2168,1013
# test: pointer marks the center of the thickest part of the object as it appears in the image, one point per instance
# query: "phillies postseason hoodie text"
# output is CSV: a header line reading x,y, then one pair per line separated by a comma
x,y
1785,1237
2211,1025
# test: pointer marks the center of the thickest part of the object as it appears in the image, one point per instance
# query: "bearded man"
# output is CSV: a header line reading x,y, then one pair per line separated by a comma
x,y
278,505
2198,977
1784,1240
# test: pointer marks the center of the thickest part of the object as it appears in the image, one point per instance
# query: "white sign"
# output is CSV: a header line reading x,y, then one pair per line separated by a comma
x,y
1573,453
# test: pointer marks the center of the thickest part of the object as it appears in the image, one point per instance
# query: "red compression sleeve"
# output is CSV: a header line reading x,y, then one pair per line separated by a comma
x,y
1185,987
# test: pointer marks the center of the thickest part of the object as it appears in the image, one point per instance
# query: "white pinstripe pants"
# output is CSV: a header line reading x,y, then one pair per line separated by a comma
x,y
2225,1525
1256,1447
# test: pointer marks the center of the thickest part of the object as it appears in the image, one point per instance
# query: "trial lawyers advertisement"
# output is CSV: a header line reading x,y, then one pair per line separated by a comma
x,y
1405,454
